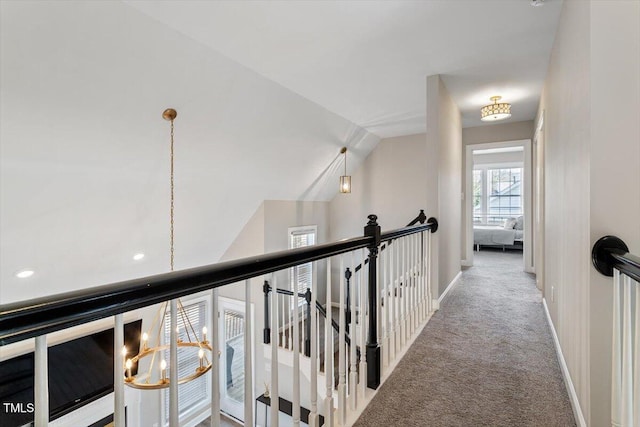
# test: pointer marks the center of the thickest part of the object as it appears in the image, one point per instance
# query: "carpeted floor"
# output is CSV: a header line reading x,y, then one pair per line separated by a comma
x,y
486,358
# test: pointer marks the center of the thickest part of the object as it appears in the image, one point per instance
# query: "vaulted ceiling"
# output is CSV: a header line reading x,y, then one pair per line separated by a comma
x,y
367,60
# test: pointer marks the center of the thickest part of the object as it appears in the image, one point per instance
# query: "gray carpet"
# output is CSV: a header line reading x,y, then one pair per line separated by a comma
x,y
485,359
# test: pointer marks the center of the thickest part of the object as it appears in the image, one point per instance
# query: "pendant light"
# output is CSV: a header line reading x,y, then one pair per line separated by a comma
x,y
345,180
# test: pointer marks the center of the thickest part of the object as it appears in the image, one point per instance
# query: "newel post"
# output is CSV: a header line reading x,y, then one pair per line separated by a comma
x,y
372,229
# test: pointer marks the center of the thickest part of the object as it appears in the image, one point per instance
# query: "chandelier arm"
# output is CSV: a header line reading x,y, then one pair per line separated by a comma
x,y
155,321
153,358
185,320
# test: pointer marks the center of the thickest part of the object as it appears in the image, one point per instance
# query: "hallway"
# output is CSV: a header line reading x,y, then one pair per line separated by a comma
x,y
486,358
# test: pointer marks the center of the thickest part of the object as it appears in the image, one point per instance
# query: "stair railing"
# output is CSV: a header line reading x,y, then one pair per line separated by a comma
x,y
40,317
610,256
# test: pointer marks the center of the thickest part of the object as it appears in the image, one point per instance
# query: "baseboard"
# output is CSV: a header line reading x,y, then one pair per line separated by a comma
x,y
466,263
573,396
449,287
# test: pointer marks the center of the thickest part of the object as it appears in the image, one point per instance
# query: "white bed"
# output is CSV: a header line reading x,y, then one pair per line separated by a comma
x,y
488,235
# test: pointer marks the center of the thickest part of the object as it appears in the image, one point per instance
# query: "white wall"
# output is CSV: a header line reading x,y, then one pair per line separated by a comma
x,y
514,157
84,177
444,180
389,184
592,159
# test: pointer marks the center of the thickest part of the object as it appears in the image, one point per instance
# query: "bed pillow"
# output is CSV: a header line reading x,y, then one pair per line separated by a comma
x,y
509,223
519,223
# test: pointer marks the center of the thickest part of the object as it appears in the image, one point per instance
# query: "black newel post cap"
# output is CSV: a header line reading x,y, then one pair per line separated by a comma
x,y
373,229
347,274
422,217
601,253
434,223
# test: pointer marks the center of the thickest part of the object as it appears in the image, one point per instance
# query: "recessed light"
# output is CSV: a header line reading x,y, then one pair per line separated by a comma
x,y
24,274
138,257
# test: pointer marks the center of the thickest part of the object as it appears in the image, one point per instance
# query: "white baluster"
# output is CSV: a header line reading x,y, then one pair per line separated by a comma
x,y
627,356
118,371
384,283
294,288
295,413
397,248
416,281
215,360
412,286
636,358
429,292
274,393
313,416
342,354
248,348
353,374
41,385
328,353
173,368
405,276
362,285
392,302
616,365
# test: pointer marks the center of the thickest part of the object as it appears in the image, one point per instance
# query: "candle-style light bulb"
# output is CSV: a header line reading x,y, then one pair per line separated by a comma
x,y
163,370
145,338
201,356
128,365
204,334
124,351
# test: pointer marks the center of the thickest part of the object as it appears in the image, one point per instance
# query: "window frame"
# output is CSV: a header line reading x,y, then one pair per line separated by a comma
x,y
202,407
291,231
486,189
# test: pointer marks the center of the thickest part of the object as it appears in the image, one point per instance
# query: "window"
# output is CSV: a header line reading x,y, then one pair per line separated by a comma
x,y
195,393
497,194
301,276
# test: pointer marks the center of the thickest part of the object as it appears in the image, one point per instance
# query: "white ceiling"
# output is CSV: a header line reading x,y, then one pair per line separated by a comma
x,y
367,60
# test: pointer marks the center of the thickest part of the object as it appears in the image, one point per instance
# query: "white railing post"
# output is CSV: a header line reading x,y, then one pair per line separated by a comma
x,y
342,376
429,272
384,284
248,351
295,410
274,394
392,301
313,416
118,372
215,360
627,356
353,374
362,284
616,366
173,369
328,353
636,358
41,385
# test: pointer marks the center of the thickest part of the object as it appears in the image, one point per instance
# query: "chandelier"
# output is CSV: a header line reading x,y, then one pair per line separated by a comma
x,y
188,340
495,111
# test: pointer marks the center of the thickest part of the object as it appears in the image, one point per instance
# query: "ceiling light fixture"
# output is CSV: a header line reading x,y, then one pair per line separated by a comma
x,y
345,180
537,3
495,111
24,274
138,257
187,337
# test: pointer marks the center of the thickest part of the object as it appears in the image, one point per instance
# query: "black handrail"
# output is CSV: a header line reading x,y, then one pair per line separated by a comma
x,y
611,252
31,318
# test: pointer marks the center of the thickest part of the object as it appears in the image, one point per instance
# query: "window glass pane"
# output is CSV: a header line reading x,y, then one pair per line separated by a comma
x,y
194,392
505,199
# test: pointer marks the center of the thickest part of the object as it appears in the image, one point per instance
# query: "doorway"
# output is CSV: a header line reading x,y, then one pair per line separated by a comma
x,y
491,215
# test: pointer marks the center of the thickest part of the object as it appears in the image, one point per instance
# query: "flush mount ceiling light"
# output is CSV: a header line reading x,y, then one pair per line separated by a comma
x,y
345,180
495,111
23,274
537,3
186,337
